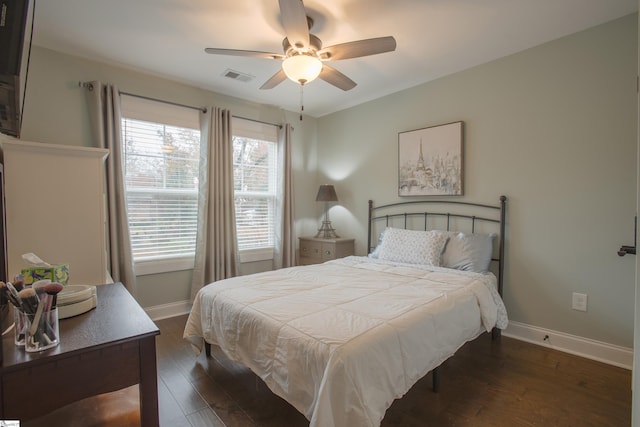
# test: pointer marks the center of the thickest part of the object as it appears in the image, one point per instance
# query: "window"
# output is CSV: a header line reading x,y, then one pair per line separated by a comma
x,y
161,145
255,151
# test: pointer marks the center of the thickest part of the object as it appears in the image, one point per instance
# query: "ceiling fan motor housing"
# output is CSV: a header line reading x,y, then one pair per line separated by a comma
x,y
315,44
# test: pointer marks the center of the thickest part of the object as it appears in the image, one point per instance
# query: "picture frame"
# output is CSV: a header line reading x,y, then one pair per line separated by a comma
x,y
430,161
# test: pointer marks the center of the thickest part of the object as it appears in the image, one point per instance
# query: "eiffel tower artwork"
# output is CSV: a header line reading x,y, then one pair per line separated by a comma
x,y
430,161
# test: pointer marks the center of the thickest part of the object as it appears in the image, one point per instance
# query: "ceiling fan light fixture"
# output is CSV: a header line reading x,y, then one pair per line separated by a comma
x,y
302,68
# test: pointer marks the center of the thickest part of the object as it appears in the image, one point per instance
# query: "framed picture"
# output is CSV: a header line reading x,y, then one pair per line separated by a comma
x,y
430,161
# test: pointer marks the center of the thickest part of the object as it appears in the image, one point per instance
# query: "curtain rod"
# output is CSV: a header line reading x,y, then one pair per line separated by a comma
x,y
89,85
257,121
148,98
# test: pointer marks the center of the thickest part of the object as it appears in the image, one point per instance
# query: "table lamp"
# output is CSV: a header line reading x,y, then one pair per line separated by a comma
x,y
326,194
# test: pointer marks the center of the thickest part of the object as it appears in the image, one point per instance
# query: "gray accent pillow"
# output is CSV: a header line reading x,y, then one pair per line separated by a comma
x,y
468,252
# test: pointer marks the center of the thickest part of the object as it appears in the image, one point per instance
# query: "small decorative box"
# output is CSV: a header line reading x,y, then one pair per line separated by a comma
x,y
56,273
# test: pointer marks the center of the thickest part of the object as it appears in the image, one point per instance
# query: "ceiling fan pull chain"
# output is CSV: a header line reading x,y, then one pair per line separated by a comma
x,y
301,101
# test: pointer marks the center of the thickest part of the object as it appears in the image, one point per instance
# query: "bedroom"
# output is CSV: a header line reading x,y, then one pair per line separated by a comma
x,y
553,127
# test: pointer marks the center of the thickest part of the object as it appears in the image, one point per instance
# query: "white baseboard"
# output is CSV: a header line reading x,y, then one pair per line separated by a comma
x,y
596,350
158,312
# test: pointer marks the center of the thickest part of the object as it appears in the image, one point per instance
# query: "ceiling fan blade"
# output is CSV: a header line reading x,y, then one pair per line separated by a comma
x,y
336,78
245,53
294,20
358,48
275,80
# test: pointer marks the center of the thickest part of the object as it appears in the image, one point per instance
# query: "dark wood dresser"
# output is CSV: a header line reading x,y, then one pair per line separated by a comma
x,y
106,349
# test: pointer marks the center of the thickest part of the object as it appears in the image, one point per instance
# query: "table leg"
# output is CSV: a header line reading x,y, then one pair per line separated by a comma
x,y
148,383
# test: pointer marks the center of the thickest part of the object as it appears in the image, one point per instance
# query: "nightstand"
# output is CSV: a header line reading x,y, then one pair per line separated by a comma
x,y
314,250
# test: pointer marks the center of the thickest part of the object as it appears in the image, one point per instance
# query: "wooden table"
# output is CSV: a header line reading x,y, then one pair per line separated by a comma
x,y
106,349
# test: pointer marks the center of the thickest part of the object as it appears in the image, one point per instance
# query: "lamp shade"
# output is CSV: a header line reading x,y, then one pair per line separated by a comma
x,y
302,68
326,193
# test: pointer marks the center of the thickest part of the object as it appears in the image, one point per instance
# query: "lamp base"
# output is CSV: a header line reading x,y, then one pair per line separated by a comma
x,y
326,231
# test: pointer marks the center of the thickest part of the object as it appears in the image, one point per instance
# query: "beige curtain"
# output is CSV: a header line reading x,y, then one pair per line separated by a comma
x,y
216,244
104,112
285,250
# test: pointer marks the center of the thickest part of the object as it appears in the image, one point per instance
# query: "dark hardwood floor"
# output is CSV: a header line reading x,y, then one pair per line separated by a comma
x,y
487,383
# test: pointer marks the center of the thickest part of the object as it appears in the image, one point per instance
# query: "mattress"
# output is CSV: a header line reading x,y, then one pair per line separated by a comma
x,y
341,340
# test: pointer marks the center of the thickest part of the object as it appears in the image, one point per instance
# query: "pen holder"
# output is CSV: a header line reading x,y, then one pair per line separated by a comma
x,y
19,327
42,331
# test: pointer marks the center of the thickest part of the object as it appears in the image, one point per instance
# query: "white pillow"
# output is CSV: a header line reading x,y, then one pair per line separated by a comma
x,y
469,252
412,247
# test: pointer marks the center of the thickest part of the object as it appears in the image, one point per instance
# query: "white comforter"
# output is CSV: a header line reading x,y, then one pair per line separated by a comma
x,y
341,340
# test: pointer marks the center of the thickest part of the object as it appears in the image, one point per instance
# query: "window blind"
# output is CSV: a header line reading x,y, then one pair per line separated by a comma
x,y
161,181
255,180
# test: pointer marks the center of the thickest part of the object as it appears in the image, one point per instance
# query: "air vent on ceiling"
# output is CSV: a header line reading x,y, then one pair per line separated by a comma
x,y
237,75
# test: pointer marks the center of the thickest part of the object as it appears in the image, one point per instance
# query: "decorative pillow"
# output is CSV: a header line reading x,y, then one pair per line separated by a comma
x,y
412,247
469,252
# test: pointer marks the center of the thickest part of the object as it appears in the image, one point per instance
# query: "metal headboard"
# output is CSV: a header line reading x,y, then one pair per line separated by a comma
x,y
441,209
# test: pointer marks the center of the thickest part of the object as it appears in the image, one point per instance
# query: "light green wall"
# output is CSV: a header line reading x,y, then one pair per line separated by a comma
x,y
56,112
554,129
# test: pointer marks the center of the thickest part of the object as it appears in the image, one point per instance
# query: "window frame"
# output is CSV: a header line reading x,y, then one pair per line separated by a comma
x,y
245,128
135,108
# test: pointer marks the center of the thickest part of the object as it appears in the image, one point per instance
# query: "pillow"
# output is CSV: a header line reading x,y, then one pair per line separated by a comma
x,y
468,252
412,247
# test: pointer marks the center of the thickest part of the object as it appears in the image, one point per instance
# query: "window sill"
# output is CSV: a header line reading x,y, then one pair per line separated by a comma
x,y
253,255
157,266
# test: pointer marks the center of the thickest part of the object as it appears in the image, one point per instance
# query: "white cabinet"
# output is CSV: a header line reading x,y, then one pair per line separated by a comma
x,y
55,207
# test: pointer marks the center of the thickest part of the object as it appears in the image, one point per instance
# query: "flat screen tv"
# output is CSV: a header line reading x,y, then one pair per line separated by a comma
x,y
16,18
6,319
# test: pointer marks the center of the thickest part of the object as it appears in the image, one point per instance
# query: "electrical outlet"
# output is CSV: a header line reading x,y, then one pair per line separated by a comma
x,y
579,302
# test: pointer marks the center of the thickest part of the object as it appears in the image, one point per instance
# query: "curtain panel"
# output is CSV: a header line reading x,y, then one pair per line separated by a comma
x,y
216,244
285,248
105,117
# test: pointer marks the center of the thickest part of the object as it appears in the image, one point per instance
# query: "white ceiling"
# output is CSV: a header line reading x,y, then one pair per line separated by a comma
x,y
434,38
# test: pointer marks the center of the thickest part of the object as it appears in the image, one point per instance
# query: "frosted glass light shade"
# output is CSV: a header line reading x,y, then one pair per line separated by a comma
x,y
302,68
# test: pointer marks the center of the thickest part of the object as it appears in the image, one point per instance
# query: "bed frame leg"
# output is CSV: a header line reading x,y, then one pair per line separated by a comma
x,y
207,349
435,376
495,334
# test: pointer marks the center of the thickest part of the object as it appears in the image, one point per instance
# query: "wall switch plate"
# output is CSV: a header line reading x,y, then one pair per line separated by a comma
x,y
579,302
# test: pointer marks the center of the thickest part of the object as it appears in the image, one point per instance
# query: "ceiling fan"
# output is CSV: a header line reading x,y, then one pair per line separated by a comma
x,y
304,59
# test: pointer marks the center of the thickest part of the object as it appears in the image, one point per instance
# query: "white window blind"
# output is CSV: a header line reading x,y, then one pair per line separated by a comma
x,y
255,179
161,155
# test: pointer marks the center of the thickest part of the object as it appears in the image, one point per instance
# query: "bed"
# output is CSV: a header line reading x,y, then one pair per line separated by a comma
x,y
340,341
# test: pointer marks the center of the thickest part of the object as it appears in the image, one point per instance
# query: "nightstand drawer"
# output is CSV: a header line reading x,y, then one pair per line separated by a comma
x,y
310,249
316,250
